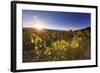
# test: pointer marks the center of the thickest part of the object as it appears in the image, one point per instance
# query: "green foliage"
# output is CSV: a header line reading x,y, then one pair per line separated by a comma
x,y
60,45
57,46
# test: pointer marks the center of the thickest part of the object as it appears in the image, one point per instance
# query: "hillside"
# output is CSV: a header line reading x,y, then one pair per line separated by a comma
x,y
56,45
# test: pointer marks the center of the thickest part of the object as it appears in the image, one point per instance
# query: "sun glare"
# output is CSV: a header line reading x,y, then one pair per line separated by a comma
x,y
38,26
38,23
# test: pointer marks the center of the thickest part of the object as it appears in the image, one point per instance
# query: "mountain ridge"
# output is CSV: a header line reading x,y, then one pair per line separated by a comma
x,y
31,29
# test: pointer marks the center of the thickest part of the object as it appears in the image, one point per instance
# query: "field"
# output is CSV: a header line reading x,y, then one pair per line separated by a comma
x,y
56,45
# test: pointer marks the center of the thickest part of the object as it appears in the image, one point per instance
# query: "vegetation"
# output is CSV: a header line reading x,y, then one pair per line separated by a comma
x,y
46,45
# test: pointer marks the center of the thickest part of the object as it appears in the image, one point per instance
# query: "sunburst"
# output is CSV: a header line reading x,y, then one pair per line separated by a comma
x,y
38,26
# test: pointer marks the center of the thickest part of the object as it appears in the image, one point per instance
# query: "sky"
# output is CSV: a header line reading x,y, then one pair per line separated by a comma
x,y
56,20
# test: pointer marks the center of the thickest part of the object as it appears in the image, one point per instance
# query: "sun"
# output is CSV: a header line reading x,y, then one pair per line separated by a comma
x,y
38,26
38,23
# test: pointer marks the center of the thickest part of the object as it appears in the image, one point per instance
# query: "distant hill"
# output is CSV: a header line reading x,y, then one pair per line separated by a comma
x,y
35,30
87,28
46,30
